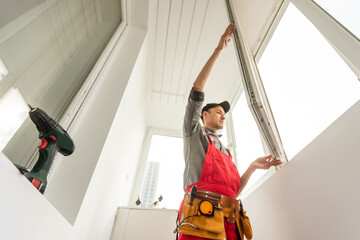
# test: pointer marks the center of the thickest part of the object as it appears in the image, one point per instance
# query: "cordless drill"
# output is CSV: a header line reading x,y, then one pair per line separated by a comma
x,y
53,138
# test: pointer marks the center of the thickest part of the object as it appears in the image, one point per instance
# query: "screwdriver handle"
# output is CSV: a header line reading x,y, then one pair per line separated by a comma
x,y
193,194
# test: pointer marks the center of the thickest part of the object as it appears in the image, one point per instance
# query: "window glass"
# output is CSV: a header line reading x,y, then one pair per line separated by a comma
x,y
150,181
166,175
14,112
223,133
3,70
345,11
248,139
49,48
307,83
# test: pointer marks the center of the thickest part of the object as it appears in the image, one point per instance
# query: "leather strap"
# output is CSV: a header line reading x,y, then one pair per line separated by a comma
x,y
234,208
230,206
214,197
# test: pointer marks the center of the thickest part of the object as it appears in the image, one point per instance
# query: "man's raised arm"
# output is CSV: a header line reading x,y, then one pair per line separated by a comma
x,y
203,76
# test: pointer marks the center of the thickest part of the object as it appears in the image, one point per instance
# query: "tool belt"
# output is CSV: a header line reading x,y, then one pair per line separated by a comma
x,y
203,215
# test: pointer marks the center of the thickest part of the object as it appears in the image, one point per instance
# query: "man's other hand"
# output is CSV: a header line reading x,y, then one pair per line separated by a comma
x,y
265,162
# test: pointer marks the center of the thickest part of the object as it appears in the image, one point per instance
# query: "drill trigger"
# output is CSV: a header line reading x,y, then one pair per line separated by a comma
x,y
36,183
43,144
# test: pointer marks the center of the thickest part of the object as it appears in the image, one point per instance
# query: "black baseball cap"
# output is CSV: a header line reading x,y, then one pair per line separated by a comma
x,y
225,105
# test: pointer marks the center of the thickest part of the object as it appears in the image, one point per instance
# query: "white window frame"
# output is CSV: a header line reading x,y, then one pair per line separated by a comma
x,y
233,146
254,90
344,42
76,103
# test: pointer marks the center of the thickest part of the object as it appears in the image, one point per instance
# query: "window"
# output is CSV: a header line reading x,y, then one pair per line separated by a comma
x,y
49,48
14,111
223,137
248,140
3,70
345,11
307,83
167,165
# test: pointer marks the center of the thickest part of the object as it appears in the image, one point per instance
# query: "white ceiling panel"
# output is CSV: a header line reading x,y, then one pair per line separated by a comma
x,y
182,35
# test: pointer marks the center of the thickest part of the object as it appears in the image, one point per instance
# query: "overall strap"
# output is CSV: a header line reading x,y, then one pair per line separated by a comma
x,y
229,152
210,140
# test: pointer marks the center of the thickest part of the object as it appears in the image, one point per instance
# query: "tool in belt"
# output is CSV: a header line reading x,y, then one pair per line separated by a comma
x,y
203,214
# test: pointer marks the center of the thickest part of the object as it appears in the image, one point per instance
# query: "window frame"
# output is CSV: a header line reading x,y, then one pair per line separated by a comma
x,y
344,42
233,146
74,106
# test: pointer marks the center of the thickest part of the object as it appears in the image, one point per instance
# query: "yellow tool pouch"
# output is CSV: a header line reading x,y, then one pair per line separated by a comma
x,y
243,224
204,226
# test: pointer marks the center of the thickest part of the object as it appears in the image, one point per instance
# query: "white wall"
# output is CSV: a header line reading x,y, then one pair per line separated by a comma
x,y
90,184
92,126
316,195
24,212
112,181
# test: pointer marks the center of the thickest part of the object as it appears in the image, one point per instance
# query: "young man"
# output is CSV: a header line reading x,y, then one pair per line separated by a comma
x,y
209,166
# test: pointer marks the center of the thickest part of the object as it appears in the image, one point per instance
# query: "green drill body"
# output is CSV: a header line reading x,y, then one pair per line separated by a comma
x,y
53,139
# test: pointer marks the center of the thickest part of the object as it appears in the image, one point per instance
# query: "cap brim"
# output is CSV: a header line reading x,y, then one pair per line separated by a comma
x,y
225,105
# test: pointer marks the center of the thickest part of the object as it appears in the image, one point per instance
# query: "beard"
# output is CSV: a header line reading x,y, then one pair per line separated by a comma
x,y
219,126
215,124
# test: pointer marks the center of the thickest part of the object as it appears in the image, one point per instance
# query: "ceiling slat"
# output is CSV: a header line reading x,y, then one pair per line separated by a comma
x,y
176,45
154,47
186,49
188,84
165,51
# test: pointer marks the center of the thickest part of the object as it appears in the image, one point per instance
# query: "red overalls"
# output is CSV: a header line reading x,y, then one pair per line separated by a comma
x,y
219,175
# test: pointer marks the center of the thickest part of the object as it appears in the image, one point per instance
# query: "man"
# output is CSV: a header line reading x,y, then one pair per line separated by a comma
x,y
209,171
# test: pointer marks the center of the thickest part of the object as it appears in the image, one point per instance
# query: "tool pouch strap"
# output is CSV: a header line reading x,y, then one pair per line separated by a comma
x,y
231,207
243,224
206,195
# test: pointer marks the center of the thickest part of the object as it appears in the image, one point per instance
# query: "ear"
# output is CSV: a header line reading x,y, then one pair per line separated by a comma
x,y
205,113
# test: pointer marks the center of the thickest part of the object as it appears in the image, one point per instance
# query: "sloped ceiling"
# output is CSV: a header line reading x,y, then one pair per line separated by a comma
x,y
182,35
255,18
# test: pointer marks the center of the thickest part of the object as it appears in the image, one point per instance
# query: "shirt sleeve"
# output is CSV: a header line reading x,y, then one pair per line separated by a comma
x,y
193,113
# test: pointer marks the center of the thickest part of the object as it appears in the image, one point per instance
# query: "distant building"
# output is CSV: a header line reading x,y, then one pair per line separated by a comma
x,y
149,185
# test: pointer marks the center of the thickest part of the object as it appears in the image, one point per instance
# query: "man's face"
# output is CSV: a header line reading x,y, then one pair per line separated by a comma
x,y
214,118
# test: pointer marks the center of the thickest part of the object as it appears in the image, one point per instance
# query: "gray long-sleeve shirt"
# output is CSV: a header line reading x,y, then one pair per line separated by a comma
x,y
195,139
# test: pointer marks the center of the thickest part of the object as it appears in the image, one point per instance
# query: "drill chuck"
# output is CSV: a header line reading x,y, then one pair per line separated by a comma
x,y
42,121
